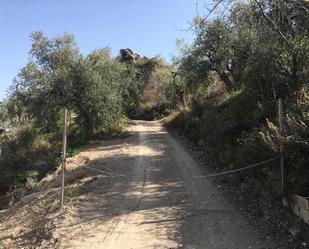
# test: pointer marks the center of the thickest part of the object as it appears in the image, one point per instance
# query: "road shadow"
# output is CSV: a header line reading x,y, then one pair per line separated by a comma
x,y
134,175
145,184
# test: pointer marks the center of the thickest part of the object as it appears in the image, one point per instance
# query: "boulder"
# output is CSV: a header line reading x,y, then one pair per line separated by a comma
x,y
127,55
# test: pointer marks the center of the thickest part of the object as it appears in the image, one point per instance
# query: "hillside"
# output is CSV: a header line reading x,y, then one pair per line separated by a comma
x,y
204,148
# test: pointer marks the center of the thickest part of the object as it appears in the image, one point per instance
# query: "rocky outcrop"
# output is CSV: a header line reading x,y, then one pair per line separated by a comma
x,y
127,55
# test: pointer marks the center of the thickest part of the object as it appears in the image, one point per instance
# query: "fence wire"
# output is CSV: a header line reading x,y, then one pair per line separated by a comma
x,y
237,170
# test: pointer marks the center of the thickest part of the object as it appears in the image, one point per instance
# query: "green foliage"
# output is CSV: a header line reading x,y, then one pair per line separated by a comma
x,y
70,152
16,155
95,88
4,117
234,71
294,140
25,137
158,90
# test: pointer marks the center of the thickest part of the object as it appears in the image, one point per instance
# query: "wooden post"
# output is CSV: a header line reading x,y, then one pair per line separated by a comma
x,y
280,116
63,157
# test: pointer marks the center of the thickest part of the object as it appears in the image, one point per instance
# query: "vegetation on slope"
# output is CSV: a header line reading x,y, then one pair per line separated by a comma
x,y
236,69
159,88
94,88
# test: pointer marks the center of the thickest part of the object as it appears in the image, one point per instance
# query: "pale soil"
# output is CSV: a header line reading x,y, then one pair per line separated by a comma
x,y
146,197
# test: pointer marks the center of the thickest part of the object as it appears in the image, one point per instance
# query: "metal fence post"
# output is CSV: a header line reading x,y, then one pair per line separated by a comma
x,y
281,129
63,157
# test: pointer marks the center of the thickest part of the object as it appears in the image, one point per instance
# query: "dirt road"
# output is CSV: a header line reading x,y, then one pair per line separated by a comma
x,y
130,193
154,201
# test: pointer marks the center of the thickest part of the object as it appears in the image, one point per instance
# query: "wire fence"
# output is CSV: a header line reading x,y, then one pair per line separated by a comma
x,y
237,170
105,172
255,165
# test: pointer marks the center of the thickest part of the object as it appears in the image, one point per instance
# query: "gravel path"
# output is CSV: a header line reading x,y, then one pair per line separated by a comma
x,y
146,197
159,204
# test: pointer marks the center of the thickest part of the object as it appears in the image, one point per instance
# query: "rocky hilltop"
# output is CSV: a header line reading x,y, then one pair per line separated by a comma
x,y
127,55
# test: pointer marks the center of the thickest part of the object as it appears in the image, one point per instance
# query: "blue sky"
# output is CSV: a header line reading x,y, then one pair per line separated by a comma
x,y
149,27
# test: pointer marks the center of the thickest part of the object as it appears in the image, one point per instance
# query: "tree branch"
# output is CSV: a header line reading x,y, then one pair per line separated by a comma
x,y
303,6
274,24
